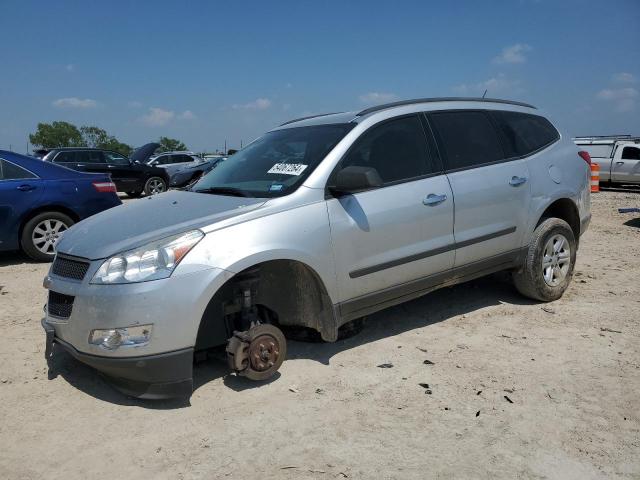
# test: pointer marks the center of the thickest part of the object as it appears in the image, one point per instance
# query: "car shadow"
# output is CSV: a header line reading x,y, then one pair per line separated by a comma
x,y
8,259
439,306
633,222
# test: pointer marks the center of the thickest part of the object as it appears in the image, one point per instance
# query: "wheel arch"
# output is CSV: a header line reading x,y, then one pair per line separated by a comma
x,y
289,287
564,209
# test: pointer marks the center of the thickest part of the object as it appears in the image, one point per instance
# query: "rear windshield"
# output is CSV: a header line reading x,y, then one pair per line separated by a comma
x,y
275,164
598,151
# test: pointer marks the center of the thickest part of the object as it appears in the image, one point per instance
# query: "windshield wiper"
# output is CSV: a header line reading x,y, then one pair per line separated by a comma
x,y
234,192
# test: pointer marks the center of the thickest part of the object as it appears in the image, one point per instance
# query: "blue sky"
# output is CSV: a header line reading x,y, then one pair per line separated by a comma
x,y
205,71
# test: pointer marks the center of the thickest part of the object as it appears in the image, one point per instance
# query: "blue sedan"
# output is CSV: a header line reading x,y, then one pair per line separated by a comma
x,y
40,200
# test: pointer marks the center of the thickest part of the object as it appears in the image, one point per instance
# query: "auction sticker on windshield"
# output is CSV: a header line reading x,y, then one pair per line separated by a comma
x,y
288,168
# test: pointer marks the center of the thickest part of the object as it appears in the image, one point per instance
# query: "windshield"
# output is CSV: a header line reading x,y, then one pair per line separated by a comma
x,y
275,164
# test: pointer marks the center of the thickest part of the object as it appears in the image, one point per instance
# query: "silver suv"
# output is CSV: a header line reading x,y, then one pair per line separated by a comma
x,y
319,222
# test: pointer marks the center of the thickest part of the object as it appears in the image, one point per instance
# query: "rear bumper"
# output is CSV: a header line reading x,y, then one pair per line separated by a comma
x,y
165,375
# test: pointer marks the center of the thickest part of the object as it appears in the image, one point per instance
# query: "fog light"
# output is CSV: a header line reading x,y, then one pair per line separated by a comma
x,y
111,339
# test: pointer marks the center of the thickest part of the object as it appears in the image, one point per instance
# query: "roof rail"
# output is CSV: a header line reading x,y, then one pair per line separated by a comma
x,y
307,118
377,108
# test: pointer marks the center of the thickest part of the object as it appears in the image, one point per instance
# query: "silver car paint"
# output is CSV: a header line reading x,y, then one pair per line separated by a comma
x,y
332,237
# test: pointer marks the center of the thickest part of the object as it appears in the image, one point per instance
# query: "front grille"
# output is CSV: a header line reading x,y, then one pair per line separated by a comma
x,y
68,268
60,305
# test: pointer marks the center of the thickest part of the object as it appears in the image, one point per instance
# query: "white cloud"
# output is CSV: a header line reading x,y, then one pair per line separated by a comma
x,y
499,84
187,115
74,102
623,99
157,117
70,67
134,104
513,54
624,77
258,104
377,97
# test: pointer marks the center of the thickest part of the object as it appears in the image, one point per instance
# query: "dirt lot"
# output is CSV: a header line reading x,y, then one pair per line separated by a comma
x,y
519,390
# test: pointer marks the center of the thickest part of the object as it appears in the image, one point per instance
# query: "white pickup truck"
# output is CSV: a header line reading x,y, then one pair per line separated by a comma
x,y
618,157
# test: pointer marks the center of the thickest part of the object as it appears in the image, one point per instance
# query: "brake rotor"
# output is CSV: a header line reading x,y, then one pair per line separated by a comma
x,y
257,353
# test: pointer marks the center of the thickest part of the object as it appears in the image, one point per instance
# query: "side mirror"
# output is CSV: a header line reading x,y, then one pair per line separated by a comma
x,y
356,179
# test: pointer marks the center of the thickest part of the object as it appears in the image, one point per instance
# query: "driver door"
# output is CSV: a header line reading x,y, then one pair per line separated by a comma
x,y
385,237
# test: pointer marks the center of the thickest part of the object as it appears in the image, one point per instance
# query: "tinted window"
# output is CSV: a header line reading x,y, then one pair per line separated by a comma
x,y
10,171
466,138
89,156
65,157
631,153
115,158
396,149
182,158
524,133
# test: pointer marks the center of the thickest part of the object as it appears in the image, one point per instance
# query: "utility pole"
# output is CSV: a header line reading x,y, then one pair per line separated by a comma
x,y
225,146
240,144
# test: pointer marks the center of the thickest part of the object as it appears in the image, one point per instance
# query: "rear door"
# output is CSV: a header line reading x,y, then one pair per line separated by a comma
x,y
387,236
626,164
20,191
491,194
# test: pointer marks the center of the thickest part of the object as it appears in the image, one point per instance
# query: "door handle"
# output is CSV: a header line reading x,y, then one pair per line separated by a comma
x,y
432,199
517,181
26,188
619,163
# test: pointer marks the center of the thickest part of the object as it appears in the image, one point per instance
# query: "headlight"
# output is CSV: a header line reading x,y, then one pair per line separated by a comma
x,y
121,337
153,261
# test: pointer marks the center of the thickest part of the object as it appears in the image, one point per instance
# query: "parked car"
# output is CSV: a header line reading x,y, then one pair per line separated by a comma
x,y
321,221
131,175
618,157
189,175
174,161
40,201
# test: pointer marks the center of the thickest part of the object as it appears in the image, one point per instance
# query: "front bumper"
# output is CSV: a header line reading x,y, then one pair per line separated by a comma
x,y
159,376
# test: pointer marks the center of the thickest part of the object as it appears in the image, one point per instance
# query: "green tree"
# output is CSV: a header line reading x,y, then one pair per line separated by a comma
x,y
57,134
98,138
170,144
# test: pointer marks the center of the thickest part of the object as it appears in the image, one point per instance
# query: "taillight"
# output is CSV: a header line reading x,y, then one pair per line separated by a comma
x,y
104,187
585,156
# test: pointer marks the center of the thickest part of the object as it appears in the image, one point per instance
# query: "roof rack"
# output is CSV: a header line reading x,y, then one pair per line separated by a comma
x,y
607,137
307,118
377,108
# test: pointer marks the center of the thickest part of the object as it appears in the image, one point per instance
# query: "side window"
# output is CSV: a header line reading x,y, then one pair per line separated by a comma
x,y
185,158
65,157
396,149
114,158
631,153
524,133
11,171
467,138
89,157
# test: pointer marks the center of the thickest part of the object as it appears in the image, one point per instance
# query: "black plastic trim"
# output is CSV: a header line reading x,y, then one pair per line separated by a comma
x,y
373,302
164,375
429,253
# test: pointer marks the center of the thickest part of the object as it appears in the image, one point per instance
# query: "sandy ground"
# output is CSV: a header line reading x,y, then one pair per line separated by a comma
x,y
519,390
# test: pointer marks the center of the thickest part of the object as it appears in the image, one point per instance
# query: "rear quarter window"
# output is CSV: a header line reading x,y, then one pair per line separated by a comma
x,y
524,133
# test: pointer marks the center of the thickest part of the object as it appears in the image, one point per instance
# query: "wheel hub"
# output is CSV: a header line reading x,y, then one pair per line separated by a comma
x,y
556,260
263,352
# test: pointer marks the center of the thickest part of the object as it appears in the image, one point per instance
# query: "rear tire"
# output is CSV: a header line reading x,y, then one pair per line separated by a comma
x,y
155,185
41,233
549,263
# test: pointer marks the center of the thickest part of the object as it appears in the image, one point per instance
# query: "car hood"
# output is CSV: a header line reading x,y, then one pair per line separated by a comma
x,y
142,154
141,221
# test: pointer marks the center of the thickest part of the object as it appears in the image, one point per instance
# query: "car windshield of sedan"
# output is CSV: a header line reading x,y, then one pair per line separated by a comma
x,y
275,164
